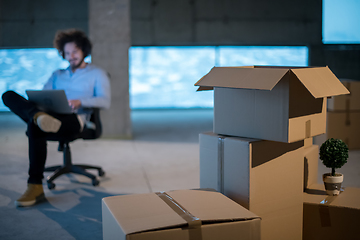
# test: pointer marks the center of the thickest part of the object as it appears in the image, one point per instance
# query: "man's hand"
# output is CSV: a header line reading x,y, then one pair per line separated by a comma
x,y
74,104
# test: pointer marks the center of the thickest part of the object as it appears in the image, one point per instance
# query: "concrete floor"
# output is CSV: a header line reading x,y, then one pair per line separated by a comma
x,y
163,155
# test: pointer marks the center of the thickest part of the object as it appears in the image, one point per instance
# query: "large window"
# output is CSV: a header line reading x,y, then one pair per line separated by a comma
x,y
341,21
164,77
22,69
160,77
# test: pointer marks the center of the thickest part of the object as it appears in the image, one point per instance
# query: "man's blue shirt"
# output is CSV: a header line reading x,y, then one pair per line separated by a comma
x,y
90,85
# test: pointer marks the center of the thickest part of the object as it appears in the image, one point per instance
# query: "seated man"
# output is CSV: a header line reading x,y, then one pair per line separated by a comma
x,y
85,86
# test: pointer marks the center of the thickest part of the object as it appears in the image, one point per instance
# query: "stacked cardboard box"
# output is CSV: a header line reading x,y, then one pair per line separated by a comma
x,y
264,121
327,217
263,176
343,120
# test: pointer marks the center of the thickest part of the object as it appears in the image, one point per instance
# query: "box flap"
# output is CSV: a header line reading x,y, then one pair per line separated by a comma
x,y
211,206
145,212
239,77
142,212
320,81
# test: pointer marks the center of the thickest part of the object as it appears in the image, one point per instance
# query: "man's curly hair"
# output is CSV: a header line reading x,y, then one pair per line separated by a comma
x,y
72,35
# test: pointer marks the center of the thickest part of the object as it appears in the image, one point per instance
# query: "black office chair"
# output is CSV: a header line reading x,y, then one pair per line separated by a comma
x,y
68,167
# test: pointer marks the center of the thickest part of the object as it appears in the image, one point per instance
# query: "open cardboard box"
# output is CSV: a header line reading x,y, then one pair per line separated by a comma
x,y
331,217
265,177
271,103
177,215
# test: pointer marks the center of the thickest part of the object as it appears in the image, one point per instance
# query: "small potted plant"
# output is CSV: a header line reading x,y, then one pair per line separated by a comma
x,y
334,154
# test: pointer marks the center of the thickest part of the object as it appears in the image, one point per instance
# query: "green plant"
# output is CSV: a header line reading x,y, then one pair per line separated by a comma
x,y
334,154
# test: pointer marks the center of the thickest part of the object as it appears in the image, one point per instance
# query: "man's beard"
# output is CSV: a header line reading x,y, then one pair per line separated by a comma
x,y
73,68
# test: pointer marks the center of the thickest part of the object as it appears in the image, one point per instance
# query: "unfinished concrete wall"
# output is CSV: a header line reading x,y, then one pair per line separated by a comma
x,y
25,23
109,28
226,22
343,60
241,22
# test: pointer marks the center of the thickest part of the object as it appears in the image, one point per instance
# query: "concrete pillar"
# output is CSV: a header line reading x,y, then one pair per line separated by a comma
x,y
109,31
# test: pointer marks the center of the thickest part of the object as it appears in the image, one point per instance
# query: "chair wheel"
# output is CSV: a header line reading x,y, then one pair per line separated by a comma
x,y
101,173
95,182
51,185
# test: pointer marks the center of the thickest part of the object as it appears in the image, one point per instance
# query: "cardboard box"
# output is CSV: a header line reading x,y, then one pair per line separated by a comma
x,y
263,176
311,164
177,215
331,217
350,102
271,103
308,142
344,126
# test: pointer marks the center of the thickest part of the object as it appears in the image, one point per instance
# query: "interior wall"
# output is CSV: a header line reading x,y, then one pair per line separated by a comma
x,y
25,23
342,59
226,22
241,22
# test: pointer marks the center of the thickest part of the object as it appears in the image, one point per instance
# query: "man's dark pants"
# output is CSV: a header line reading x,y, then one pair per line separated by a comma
x,y
37,138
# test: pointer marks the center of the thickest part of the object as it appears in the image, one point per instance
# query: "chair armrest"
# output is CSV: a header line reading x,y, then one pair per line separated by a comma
x,y
95,118
90,133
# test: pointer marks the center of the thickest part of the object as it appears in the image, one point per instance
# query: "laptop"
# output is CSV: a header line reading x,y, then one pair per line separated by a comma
x,y
50,100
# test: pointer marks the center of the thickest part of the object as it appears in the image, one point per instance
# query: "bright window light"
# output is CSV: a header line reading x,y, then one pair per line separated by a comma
x,y
30,68
341,21
164,77
160,77
275,56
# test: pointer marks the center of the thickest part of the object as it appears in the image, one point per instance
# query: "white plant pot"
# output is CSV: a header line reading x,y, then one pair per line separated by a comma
x,y
333,183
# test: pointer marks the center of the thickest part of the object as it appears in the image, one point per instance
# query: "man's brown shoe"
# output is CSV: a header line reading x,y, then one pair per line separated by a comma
x,y
46,122
33,194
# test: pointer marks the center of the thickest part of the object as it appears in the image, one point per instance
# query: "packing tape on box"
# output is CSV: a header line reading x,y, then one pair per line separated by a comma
x,y
194,223
221,164
324,209
325,219
308,129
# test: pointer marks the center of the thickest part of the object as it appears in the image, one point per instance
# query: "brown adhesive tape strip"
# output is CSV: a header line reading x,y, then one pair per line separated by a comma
x,y
194,223
308,129
221,164
324,210
325,219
